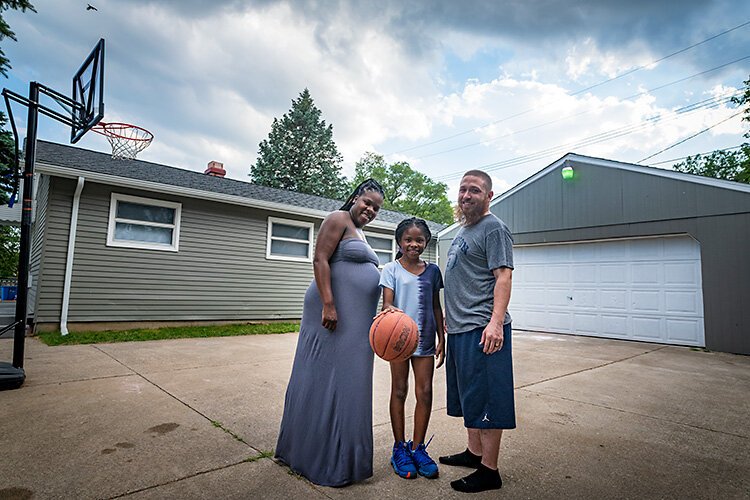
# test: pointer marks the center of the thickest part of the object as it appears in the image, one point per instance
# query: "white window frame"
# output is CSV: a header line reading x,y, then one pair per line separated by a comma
x,y
113,219
378,251
289,222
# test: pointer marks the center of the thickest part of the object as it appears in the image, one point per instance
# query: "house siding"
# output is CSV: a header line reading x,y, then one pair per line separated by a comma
x,y
220,272
37,240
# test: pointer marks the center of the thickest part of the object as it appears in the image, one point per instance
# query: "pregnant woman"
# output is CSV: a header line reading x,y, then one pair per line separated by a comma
x,y
326,429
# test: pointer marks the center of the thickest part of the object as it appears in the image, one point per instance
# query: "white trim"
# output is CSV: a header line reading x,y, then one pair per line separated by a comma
x,y
114,180
69,258
175,226
599,240
382,237
289,222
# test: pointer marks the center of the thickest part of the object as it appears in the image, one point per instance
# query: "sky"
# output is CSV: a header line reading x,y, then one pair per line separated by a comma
x,y
446,85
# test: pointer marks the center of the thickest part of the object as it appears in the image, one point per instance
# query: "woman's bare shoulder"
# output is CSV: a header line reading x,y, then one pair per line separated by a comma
x,y
339,218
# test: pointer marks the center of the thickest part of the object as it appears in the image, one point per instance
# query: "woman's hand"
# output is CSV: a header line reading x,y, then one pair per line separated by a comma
x,y
330,318
440,353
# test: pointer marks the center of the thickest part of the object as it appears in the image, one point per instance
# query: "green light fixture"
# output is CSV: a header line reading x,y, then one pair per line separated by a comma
x,y
567,173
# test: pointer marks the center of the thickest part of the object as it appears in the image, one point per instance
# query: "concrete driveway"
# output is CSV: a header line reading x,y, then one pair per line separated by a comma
x,y
194,419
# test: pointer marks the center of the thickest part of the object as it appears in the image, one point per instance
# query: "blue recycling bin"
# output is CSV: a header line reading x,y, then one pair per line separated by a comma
x,y
8,292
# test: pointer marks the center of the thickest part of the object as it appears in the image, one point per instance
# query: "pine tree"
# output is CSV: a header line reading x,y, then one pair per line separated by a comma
x,y
300,154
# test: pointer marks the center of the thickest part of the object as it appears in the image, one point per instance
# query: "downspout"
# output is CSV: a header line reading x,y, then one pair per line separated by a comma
x,y
69,258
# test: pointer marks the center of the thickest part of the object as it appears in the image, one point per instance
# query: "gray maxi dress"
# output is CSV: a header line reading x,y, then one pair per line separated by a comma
x,y
326,430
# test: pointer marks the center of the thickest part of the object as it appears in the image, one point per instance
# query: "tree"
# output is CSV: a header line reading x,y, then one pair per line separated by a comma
x,y
9,236
722,164
299,154
729,165
6,32
9,241
406,190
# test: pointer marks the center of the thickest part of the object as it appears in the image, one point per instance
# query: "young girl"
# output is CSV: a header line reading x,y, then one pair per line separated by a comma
x,y
412,285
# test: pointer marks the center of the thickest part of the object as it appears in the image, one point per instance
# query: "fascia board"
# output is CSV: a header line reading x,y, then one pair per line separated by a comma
x,y
73,173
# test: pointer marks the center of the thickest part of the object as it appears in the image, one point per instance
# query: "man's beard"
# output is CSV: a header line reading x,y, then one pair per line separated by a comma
x,y
470,216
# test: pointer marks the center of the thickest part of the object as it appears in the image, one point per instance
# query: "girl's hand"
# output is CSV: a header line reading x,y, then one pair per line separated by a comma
x,y
330,318
440,353
386,310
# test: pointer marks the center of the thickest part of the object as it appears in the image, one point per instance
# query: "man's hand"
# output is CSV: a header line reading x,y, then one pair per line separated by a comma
x,y
492,338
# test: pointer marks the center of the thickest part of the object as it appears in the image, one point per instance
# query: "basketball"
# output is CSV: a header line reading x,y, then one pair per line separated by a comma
x,y
394,336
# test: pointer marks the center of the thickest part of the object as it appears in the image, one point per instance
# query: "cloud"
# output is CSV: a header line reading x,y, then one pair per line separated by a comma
x,y
209,77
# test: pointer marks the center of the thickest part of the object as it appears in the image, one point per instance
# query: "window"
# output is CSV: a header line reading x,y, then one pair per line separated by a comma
x,y
383,246
289,240
136,222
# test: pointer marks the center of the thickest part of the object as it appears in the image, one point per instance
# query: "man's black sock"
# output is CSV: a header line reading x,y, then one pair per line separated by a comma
x,y
463,459
482,479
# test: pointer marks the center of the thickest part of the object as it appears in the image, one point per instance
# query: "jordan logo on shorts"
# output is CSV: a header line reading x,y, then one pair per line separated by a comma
x,y
485,419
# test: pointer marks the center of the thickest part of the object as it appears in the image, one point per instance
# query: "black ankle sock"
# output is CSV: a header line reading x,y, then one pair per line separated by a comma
x,y
464,459
482,479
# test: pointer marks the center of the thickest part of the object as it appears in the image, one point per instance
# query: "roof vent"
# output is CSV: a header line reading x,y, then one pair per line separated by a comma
x,y
216,169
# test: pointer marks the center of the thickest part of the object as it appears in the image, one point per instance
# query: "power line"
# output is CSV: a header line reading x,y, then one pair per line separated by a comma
x,y
691,137
600,137
571,94
662,59
696,154
634,96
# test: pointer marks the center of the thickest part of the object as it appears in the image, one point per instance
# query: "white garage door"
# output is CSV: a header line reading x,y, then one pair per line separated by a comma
x,y
640,289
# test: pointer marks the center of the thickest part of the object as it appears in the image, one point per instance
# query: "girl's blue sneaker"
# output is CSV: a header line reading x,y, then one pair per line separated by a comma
x,y
402,462
426,466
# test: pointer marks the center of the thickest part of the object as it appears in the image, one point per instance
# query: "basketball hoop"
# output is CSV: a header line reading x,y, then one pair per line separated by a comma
x,y
126,140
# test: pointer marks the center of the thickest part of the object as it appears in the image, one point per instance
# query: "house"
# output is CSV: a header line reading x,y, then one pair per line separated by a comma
x,y
128,243
622,251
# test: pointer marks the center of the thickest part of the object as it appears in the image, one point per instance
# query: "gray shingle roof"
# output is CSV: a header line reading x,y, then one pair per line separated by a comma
x,y
84,159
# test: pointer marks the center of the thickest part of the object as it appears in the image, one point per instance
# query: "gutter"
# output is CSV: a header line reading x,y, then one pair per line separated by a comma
x,y
157,187
69,258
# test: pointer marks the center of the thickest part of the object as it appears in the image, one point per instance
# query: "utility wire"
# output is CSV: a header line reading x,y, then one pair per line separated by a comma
x,y
690,137
601,137
571,94
634,96
696,154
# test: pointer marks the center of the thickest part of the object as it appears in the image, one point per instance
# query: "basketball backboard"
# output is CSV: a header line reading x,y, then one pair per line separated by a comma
x,y
88,93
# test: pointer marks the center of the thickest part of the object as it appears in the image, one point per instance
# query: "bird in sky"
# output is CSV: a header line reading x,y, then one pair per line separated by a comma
x,y
91,7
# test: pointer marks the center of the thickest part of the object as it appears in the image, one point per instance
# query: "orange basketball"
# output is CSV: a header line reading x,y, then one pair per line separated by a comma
x,y
394,336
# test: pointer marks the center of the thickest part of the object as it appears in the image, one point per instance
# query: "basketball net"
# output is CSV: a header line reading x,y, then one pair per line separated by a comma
x,y
126,140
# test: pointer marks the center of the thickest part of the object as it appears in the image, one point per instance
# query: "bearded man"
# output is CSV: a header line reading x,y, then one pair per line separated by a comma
x,y
479,367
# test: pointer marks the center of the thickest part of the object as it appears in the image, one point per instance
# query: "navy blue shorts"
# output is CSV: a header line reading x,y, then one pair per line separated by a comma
x,y
480,386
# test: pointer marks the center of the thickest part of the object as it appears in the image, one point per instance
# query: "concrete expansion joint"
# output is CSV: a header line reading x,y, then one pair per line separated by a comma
x,y
213,422
652,417
177,480
591,368
105,377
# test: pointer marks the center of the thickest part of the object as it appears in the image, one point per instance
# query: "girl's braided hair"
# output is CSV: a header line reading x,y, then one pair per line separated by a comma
x,y
367,185
406,224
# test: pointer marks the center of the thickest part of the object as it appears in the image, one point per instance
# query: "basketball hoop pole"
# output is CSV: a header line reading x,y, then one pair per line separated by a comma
x,y
85,113
25,244
13,376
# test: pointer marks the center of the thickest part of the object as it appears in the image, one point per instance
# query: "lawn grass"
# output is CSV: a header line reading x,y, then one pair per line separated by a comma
x,y
184,332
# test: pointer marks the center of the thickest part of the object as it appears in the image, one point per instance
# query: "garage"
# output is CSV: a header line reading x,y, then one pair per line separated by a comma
x,y
646,289
617,250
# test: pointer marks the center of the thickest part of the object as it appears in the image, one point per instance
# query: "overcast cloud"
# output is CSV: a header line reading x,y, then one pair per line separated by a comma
x,y
398,78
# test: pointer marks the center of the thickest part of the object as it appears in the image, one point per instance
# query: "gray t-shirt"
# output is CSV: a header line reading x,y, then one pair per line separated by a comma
x,y
469,282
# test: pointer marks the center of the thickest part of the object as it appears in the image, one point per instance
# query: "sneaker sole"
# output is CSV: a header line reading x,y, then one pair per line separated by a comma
x,y
408,475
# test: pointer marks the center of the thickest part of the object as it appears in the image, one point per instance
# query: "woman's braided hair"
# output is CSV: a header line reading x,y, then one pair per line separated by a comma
x,y
367,185
406,224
